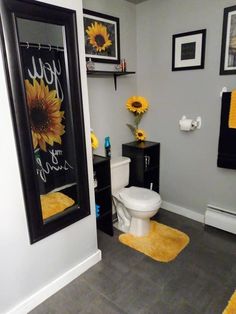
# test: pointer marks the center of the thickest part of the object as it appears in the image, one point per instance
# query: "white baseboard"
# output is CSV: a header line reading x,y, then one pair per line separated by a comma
x,y
54,286
183,211
220,218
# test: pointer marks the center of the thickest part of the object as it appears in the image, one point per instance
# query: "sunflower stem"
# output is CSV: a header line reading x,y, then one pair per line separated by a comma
x,y
132,128
137,119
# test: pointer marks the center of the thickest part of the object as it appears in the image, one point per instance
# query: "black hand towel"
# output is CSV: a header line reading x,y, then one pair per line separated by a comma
x,y
227,137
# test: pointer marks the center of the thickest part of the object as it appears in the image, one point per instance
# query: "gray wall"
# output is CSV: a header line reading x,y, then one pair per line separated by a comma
x,y
40,33
107,106
189,175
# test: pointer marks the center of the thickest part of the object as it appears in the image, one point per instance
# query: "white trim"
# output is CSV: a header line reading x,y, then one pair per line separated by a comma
x,y
57,284
183,211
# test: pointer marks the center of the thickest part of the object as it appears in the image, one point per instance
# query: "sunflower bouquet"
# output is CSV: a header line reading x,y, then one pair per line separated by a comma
x,y
138,105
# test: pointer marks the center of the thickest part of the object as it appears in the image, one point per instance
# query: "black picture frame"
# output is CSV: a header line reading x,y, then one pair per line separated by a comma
x,y
228,43
108,49
188,50
11,11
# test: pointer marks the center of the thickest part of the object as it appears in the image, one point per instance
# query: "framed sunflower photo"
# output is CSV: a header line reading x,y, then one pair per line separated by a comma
x,y
102,37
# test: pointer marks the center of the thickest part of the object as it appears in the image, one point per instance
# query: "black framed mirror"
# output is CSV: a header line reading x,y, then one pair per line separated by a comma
x,y
39,44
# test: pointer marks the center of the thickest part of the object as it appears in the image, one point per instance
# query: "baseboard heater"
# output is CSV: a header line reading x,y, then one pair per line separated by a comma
x,y
220,218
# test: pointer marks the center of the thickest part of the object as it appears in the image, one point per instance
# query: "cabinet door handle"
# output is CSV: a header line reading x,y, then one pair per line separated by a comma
x,y
147,160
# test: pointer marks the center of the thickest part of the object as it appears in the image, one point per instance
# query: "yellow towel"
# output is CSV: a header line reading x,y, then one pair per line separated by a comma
x,y
54,203
232,111
231,307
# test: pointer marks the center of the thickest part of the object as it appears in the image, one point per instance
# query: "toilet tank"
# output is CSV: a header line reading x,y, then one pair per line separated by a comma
x,y
119,173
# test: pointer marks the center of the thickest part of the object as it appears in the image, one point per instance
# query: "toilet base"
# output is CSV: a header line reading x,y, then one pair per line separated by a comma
x,y
120,227
139,227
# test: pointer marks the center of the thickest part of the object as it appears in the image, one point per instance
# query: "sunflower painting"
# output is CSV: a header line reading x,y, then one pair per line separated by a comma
x,y
101,33
98,36
44,114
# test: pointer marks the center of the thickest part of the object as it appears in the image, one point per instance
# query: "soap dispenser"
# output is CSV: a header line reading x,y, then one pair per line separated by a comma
x,y
107,147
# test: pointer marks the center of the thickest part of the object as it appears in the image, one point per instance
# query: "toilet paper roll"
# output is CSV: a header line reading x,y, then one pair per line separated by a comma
x,y
186,124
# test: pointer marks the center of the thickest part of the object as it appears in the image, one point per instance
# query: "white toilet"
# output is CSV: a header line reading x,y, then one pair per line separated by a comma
x,y
134,205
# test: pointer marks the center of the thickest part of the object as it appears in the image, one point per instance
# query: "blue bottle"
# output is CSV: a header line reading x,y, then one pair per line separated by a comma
x,y
97,211
108,147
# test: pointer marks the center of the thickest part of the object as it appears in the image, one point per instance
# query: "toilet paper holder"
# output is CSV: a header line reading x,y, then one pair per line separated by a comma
x,y
190,124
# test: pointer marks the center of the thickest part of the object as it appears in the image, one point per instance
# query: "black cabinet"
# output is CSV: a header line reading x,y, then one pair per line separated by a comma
x,y
103,198
145,162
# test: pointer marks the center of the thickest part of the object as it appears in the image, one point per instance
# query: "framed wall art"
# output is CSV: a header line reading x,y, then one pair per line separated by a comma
x,y
102,37
188,50
39,45
228,45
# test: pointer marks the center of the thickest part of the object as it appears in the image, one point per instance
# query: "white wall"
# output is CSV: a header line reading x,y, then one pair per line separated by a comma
x,y
26,269
107,106
189,175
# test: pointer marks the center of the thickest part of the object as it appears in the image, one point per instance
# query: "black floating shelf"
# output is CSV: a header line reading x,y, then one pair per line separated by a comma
x,y
109,73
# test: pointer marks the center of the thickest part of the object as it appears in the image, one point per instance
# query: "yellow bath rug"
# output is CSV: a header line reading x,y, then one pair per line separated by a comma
x,y
231,307
54,203
163,243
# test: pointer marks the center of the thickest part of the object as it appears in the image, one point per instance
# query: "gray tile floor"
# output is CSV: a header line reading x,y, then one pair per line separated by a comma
x,y
199,281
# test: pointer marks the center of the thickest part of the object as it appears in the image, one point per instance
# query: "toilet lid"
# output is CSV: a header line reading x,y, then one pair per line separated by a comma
x,y
139,198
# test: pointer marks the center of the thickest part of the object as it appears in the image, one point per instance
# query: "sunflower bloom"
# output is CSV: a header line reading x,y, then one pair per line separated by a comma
x,y
137,104
44,113
94,141
98,36
140,135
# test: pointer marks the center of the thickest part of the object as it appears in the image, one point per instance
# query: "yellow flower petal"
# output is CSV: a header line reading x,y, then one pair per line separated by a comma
x,y
98,36
140,134
94,141
45,115
137,104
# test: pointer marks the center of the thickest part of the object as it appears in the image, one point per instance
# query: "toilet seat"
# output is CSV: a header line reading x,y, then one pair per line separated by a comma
x,y
140,198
